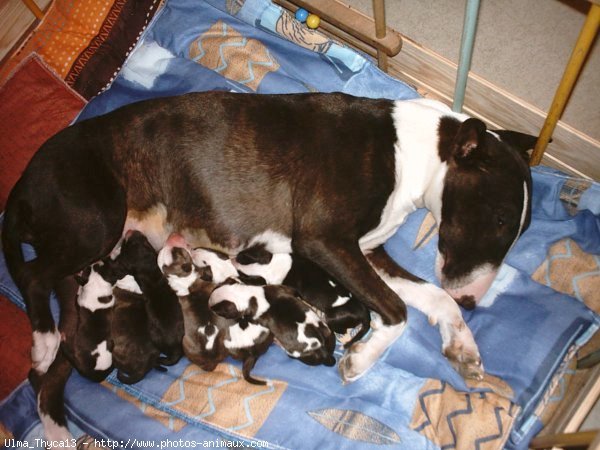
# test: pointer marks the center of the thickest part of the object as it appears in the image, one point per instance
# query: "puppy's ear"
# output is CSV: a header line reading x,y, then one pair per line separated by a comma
x,y
251,280
83,276
470,136
521,142
254,255
205,273
226,309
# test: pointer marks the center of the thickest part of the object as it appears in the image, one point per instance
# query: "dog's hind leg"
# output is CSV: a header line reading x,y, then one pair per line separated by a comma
x,y
345,262
458,344
50,387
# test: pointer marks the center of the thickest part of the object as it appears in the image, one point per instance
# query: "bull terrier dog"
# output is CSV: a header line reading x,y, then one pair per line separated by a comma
x,y
328,175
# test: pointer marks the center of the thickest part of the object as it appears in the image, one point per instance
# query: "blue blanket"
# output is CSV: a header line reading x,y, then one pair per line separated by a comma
x,y
528,327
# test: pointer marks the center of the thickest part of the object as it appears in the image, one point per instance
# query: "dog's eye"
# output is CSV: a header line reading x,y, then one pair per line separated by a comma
x,y
500,221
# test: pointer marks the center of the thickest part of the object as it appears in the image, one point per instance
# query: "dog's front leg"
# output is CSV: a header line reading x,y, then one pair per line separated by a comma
x,y
345,261
458,344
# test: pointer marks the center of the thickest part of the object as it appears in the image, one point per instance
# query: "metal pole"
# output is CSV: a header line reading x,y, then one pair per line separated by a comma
x,y
466,51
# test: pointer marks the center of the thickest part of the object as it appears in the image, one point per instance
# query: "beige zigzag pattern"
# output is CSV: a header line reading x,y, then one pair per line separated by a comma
x,y
224,50
460,420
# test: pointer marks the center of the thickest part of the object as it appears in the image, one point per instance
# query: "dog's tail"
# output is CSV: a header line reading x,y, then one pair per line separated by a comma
x,y
13,226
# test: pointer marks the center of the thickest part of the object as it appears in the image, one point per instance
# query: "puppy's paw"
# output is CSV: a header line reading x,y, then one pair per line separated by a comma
x,y
44,349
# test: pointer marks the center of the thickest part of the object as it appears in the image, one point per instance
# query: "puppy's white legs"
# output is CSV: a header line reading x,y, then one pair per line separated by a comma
x,y
361,356
44,348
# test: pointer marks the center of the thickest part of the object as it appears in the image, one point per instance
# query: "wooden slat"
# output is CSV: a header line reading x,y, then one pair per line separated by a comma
x,y
16,20
582,392
565,440
351,21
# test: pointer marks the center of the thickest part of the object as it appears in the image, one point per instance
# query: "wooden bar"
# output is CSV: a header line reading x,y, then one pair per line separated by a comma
x,y
34,8
566,440
582,47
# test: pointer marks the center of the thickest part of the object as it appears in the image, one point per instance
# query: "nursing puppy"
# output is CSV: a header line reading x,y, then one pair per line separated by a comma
x,y
133,351
210,338
87,340
297,328
165,320
340,309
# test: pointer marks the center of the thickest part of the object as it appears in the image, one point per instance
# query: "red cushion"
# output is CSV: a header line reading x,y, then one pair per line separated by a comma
x,y
15,346
34,104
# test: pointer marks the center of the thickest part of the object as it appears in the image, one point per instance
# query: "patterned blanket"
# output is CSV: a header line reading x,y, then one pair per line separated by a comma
x,y
528,327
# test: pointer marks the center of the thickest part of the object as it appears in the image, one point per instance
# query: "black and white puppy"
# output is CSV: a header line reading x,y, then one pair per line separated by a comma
x,y
165,320
210,338
297,328
86,339
340,309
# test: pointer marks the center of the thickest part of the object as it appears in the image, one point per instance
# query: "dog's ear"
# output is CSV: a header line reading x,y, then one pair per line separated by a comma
x,y
470,136
254,255
82,277
251,280
205,273
226,309
521,142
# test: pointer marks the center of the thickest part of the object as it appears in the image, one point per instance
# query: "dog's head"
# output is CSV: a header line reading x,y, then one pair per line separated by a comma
x,y
96,286
175,262
218,262
257,263
297,327
486,204
137,254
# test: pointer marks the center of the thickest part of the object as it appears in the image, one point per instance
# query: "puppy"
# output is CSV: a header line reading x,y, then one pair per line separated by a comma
x,y
86,327
280,309
133,351
165,319
210,338
340,309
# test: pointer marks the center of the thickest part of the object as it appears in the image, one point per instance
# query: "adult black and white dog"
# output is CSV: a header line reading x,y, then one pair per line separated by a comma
x,y
329,176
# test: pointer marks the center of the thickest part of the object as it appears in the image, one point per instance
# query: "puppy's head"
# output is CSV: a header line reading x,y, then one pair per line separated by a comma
x,y
236,301
137,254
298,329
257,262
96,285
219,263
175,262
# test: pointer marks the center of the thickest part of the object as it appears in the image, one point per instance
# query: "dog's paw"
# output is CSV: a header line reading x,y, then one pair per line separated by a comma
x,y
465,359
361,356
354,364
54,431
44,349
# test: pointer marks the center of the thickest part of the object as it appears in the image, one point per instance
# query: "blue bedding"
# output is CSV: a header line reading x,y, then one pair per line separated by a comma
x,y
528,328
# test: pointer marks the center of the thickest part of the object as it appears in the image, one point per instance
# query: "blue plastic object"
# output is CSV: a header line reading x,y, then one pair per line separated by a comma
x,y
301,15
